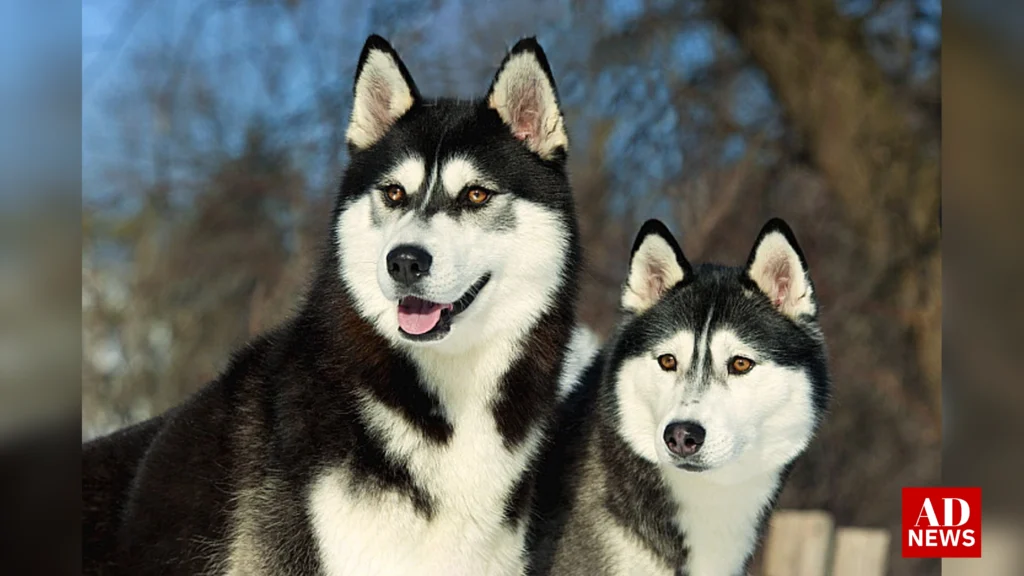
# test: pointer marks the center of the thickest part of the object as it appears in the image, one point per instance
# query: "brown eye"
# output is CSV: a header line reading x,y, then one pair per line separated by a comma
x,y
740,365
667,362
395,194
477,196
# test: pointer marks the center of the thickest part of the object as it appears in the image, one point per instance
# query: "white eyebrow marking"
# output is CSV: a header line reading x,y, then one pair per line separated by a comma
x,y
409,174
458,173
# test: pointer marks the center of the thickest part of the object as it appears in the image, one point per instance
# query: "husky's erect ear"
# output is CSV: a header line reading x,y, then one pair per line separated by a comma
x,y
656,265
384,91
777,267
523,93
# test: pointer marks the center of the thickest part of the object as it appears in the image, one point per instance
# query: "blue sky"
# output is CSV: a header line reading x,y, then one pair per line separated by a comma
x,y
649,141
107,69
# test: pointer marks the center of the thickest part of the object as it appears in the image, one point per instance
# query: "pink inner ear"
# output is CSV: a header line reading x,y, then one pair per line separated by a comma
x,y
778,272
781,290
523,111
655,280
379,100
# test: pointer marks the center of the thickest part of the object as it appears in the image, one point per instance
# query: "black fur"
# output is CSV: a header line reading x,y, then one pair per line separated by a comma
x,y
158,496
558,477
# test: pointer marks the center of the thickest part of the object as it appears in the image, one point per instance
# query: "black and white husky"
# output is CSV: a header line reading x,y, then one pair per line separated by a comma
x,y
392,425
672,451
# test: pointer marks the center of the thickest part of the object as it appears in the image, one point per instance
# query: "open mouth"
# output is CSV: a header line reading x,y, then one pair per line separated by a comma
x,y
422,320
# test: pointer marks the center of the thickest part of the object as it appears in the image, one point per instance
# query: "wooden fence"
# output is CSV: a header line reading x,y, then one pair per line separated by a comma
x,y
807,543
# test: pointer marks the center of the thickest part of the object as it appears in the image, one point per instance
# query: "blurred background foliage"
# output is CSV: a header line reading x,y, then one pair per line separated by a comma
x,y
213,142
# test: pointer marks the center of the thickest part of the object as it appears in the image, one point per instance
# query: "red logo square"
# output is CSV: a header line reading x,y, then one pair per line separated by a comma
x,y
941,522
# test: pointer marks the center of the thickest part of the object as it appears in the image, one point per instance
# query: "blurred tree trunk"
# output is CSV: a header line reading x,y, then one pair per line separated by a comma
x,y
859,133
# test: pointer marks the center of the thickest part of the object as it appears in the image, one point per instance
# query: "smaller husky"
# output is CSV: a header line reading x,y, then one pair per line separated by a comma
x,y
673,449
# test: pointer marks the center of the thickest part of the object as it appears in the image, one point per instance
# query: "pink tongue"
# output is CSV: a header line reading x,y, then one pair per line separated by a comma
x,y
416,316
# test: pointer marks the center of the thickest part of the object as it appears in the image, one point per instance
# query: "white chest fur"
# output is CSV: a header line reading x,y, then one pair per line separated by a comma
x,y
627,555
720,521
468,479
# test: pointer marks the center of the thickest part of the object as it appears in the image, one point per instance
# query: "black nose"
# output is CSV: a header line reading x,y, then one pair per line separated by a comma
x,y
407,263
684,438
